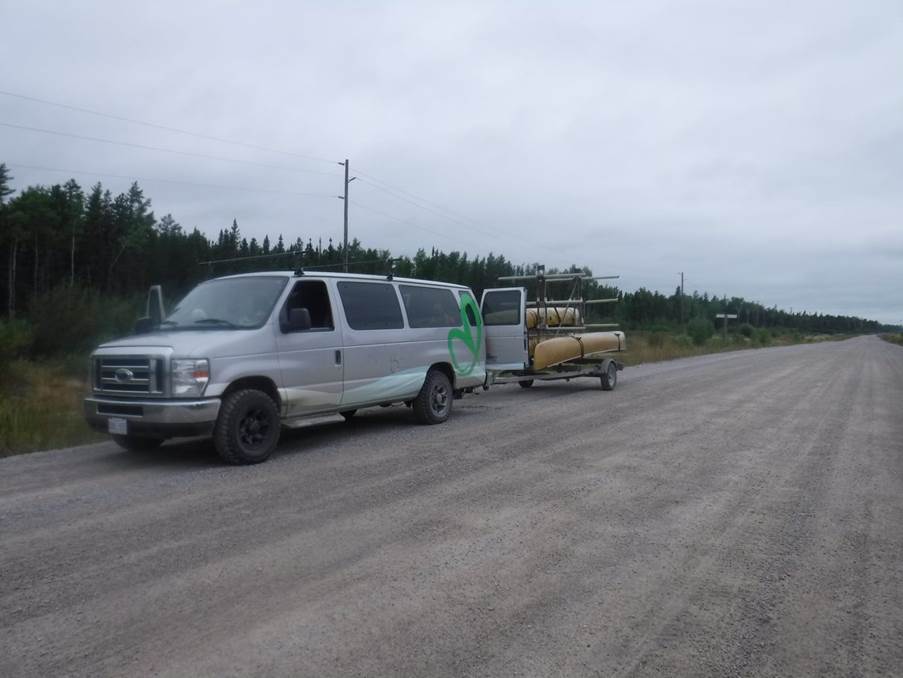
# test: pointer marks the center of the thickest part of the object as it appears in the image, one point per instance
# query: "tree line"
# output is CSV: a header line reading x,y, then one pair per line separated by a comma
x,y
64,236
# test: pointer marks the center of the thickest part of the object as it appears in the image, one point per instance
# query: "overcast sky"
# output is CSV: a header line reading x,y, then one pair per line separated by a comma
x,y
756,146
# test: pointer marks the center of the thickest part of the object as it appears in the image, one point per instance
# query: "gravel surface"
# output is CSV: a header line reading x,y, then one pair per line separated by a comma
x,y
734,514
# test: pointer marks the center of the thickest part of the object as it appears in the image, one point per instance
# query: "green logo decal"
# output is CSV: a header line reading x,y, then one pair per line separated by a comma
x,y
465,334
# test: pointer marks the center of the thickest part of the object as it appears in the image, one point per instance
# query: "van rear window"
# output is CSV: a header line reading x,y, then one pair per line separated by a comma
x,y
468,310
430,306
502,308
370,306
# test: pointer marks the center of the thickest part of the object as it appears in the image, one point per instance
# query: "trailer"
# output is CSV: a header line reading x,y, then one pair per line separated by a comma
x,y
548,338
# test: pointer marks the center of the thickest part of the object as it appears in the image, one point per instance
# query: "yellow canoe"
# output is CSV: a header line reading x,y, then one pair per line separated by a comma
x,y
559,350
555,316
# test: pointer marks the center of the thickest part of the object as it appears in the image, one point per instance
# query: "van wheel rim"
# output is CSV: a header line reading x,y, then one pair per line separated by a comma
x,y
253,428
612,373
439,399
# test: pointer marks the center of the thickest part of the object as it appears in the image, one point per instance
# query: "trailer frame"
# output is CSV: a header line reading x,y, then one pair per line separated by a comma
x,y
603,365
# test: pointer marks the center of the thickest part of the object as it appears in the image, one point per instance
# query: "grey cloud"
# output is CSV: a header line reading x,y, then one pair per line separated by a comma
x,y
757,147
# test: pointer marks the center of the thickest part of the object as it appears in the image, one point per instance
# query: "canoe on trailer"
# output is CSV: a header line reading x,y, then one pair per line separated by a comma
x,y
555,316
557,350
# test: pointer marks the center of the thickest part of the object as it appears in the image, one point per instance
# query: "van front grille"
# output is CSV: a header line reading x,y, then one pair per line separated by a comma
x,y
128,375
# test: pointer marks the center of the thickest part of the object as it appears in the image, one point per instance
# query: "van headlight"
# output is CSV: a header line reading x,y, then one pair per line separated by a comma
x,y
189,377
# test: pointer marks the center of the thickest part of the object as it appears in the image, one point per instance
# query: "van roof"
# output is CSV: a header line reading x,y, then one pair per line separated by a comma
x,y
344,276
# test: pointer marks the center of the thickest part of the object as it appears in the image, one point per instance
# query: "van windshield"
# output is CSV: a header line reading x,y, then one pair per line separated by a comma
x,y
230,303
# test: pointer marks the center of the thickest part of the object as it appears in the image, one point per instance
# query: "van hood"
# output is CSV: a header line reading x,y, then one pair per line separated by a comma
x,y
198,343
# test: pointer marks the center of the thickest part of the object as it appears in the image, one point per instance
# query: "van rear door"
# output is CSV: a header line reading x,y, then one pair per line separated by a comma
x,y
505,328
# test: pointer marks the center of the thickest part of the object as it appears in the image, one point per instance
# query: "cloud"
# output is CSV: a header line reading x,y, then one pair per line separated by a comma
x,y
757,148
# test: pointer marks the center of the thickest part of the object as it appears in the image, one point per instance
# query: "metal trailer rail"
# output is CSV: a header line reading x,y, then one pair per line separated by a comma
x,y
602,366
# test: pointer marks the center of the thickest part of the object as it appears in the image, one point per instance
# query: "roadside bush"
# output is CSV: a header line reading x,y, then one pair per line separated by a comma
x,y
69,320
763,337
119,316
700,330
656,339
65,320
747,330
15,340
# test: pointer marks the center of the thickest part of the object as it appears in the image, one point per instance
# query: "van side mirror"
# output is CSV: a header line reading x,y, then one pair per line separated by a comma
x,y
155,311
298,320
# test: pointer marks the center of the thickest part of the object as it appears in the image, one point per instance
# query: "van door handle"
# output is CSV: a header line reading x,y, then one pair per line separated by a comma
x,y
338,357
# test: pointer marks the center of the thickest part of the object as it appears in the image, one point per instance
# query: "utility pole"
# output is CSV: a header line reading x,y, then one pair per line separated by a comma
x,y
681,298
344,198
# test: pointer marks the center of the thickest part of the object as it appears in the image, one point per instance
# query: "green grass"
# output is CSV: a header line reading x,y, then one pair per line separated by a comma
x,y
41,402
893,338
41,406
650,347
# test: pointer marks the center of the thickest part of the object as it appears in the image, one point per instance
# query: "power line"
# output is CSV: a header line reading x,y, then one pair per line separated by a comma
x,y
136,177
389,188
295,254
162,150
397,192
411,202
159,126
394,191
401,221
470,224
406,222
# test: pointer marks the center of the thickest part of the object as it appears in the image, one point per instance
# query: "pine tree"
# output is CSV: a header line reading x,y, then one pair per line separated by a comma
x,y
5,188
7,236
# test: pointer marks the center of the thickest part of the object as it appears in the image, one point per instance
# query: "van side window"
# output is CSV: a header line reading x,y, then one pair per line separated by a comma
x,y
430,306
468,310
502,308
371,306
312,295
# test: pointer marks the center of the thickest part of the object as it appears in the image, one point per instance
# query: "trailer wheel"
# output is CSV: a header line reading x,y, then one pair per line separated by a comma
x,y
434,402
248,426
525,383
610,377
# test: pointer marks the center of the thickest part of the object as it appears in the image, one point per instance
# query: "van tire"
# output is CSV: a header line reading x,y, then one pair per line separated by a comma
x,y
137,443
433,404
348,414
237,436
525,383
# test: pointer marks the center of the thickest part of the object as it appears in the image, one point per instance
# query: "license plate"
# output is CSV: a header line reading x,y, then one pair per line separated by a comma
x,y
118,426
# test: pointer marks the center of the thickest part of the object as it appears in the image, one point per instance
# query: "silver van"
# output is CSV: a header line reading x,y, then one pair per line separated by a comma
x,y
241,354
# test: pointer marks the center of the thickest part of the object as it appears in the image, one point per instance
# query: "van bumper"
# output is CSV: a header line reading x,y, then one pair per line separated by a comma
x,y
154,418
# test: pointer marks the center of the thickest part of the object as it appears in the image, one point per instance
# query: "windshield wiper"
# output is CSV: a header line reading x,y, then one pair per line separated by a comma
x,y
216,321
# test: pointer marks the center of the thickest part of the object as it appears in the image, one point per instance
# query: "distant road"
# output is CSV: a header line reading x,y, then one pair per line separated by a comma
x,y
739,513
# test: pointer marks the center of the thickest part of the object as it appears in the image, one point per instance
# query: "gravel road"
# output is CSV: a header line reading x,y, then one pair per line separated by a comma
x,y
735,514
